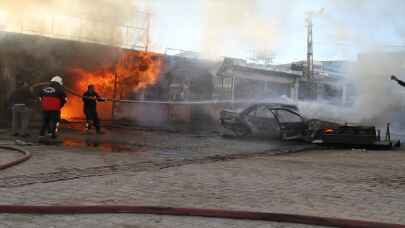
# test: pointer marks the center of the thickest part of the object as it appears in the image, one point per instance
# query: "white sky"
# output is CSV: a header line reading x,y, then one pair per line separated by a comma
x,y
346,28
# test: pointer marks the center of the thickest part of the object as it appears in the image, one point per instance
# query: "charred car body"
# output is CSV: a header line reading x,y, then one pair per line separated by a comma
x,y
283,121
275,120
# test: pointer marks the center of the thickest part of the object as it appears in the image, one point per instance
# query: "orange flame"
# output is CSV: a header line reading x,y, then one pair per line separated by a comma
x,y
134,71
328,130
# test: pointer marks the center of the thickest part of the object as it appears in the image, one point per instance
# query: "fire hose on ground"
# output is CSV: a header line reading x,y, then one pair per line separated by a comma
x,y
210,213
25,157
171,211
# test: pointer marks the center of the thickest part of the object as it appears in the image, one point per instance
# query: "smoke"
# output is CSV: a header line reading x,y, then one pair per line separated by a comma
x,y
365,25
374,32
100,20
232,27
372,98
377,96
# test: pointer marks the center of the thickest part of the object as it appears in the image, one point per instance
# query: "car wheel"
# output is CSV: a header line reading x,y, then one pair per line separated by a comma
x,y
241,131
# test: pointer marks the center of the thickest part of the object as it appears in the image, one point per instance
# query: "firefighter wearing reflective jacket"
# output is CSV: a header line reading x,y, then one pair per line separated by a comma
x,y
53,98
90,99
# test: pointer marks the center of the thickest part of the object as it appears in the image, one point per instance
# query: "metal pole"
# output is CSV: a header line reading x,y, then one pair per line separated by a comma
x,y
114,95
388,133
233,90
147,33
313,93
115,86
310,60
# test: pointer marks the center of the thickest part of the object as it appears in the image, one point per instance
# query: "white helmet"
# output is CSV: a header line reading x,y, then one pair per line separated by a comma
x,y
57,79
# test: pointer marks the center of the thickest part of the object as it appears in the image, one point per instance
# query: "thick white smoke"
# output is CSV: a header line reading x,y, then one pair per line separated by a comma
x,y
100,20
376,31
376,98
232,27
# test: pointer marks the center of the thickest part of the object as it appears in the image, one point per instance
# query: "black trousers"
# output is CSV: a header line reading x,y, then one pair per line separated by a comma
x,y
49,121
92,118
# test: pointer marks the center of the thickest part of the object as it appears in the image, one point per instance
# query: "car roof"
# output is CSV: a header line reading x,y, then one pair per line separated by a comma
x,y
279,105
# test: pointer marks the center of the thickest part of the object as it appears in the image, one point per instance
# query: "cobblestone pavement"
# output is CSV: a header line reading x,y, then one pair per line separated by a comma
x,y
348,184
132,221
125,150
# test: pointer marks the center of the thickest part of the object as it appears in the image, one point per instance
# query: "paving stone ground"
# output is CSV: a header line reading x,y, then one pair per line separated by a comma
x,y
368,185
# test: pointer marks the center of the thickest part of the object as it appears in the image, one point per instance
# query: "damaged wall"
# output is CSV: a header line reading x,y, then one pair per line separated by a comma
x,y
7,84
35,59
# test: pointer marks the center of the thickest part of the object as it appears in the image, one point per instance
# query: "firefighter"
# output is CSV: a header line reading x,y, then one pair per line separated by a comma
x,y
90,99
53,98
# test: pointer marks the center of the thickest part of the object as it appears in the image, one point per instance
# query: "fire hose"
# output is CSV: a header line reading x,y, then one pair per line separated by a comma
x,y
74,93
171,211
209,213
25,157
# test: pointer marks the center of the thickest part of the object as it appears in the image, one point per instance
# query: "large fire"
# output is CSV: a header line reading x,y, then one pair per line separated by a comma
x,y
133,72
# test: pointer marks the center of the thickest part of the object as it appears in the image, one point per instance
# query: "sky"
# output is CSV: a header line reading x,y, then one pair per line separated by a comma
x,y
235,28
344,29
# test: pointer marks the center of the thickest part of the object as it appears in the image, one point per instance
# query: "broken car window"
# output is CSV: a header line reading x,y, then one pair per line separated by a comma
x,y
264,112
287,117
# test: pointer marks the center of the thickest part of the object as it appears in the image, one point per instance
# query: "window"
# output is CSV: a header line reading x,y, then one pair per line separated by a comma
x,y
227,84
218,83
263,112
287,117
223,83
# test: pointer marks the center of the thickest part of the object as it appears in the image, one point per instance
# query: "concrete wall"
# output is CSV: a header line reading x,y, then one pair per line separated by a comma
x,y
170,115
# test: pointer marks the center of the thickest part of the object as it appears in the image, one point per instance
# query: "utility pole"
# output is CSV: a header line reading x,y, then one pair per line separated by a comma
x,y
309,70
309,74
147,38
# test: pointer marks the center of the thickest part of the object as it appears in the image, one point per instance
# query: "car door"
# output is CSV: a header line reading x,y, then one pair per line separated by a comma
x,y
262,121
292,124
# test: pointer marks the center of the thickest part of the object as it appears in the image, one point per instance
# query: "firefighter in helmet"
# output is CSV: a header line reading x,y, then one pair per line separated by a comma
x,y
53,98
90,99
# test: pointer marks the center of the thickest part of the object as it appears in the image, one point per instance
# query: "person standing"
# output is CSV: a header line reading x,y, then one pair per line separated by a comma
x,y
53,98
21,101
90,99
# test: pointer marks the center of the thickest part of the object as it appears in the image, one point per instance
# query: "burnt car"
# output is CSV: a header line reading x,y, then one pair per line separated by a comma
x,y
274,120
283,121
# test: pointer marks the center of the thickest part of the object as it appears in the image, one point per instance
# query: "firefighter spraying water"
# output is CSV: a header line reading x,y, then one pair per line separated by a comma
x,y
90,99
53,98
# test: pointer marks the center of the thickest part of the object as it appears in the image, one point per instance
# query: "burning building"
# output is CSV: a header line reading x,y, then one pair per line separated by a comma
x,y
130,73
116,73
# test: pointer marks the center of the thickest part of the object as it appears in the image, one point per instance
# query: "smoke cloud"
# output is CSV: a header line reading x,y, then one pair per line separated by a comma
x,y
100,20
234,27
377,96
231,27
376,99
376,31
